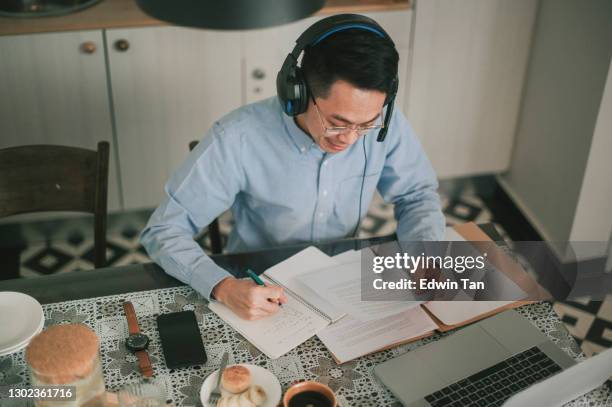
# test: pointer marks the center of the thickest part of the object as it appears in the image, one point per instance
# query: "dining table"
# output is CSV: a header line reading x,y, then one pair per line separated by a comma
x,y
95,297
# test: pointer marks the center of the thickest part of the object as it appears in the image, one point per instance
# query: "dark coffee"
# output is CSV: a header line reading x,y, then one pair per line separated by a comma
x,y
309,399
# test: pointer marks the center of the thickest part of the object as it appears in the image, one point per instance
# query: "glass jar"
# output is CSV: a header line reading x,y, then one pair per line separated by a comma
x,y
67,355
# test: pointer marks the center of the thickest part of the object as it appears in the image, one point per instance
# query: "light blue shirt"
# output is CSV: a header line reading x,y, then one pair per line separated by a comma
x,y
283,189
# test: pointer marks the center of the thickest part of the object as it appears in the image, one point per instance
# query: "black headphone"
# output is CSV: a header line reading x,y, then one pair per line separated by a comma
x,y
290,82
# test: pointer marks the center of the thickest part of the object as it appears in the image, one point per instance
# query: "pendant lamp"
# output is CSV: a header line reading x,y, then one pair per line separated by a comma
x,y
229,14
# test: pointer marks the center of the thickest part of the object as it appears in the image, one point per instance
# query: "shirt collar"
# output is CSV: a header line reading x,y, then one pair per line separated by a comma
x,y
301,140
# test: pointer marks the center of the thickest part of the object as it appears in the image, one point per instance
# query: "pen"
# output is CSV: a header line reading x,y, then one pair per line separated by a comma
x,y
258,281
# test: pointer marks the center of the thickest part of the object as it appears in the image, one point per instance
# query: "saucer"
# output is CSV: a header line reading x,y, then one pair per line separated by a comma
x,y
259,376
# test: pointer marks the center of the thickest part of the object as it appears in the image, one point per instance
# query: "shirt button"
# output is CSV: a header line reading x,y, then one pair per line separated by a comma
x,y
325,193
325,163
302,149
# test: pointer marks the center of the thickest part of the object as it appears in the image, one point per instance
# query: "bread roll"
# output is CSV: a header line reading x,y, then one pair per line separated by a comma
x,y
256,394
245,401
236,379
233,401
222,402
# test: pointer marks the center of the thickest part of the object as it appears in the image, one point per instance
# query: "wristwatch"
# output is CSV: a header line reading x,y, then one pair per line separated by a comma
x,y
137,342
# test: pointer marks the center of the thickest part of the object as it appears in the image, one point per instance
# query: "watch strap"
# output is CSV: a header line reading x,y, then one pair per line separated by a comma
x,y
144,363
132,321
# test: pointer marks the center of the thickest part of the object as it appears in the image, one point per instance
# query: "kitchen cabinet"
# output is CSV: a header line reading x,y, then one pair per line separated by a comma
x,y
53,90
151,90
169,85
468,67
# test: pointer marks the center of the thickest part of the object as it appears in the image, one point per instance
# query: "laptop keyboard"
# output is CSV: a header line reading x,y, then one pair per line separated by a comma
x,y
494,385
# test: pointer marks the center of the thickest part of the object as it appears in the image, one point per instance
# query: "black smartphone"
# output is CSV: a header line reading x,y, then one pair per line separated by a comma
x,y
181,340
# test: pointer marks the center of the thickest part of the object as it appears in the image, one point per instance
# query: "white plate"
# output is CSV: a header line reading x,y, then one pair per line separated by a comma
x,y
259,376
24,343
21,317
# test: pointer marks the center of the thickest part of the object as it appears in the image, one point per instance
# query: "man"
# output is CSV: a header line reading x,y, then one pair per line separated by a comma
x,y
297,179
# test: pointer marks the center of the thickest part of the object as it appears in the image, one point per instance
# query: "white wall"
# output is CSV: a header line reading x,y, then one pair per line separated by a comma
x,y
570,59
593,220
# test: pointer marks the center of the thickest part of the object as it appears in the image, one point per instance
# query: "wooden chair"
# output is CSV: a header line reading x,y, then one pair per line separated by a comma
x,y
216,246
42,178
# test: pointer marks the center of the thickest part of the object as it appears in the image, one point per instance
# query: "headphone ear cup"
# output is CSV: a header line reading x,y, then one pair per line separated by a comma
x,y
301,92
284,84
291,88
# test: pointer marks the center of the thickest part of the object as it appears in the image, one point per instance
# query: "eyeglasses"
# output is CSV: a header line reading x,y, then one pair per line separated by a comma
x,y
338,130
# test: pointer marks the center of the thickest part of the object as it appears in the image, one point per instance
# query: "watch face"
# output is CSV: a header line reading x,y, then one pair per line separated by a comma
x,y
137,342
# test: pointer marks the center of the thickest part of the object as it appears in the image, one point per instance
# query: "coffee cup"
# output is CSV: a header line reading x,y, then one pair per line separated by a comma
x,y
309,394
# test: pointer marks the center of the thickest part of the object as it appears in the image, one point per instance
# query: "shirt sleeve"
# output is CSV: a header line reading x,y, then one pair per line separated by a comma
x,y
203,187
409,182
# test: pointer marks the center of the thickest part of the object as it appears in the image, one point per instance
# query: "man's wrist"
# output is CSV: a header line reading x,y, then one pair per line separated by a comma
x,y
219,289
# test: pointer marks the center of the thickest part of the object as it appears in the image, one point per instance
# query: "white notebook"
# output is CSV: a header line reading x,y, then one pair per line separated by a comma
x,y
304,315
276,335
287,275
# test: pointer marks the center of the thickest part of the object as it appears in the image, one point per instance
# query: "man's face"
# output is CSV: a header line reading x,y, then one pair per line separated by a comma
x,y
344,106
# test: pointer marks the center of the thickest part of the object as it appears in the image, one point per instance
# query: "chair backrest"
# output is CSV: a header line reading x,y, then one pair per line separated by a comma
x,y
42,178
214,233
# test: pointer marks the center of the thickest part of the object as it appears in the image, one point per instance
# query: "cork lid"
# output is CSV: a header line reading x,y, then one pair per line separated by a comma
x,y
63,353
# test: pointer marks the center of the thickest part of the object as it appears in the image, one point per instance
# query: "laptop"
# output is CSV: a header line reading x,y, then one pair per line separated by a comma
x,y
487,363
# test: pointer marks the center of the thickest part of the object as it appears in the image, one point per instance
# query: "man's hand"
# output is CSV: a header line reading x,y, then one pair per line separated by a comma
x,y
247,299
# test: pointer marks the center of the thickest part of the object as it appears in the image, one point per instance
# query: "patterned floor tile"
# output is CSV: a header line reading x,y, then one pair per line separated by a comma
x,y
605,311
47,260
135,257
578,322
77,264
114,252
589,348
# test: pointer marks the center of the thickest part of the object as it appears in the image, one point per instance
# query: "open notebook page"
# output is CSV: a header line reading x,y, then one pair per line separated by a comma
x,y
293,324
458,312
349,256
349,338
340,282
286,273
341,285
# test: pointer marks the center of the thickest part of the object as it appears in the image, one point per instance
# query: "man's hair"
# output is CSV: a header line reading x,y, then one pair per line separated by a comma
x,y
359,57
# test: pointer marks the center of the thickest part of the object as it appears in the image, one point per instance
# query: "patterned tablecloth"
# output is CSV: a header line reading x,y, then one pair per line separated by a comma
x,y
353,382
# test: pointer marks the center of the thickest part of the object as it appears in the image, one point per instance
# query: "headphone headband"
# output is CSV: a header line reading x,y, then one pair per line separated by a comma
x,y
322,29
290,82
347,27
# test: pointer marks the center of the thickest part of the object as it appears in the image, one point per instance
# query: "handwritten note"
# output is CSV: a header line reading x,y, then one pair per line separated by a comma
x,y
275,335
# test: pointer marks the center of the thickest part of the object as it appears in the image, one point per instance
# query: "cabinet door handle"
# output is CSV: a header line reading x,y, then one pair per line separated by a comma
x,y
88,47
122,45
258,74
